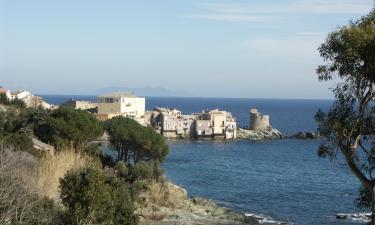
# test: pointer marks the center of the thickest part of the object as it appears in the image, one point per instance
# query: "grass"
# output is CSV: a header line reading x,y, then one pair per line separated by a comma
x,y
166,194
53,167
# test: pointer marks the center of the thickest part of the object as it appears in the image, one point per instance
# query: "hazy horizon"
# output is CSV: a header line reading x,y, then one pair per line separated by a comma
x,y
215,48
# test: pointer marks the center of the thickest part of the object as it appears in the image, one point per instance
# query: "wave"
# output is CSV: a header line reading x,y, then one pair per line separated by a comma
x,y
262,219
355,217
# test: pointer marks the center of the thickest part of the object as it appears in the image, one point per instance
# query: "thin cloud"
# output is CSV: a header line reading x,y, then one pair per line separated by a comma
x,y
296,6
231,17
295,47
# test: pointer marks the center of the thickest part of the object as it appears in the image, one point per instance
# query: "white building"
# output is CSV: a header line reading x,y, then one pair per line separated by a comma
x,y
125,104
216,123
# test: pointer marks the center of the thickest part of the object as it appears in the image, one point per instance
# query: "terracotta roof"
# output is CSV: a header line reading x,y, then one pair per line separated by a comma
x,y
3,90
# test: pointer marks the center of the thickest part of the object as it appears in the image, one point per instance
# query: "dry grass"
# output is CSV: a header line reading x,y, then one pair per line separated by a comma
x,y
166,194
155,216
53,167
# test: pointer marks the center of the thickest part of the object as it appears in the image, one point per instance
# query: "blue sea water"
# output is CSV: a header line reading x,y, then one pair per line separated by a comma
x,y
283,179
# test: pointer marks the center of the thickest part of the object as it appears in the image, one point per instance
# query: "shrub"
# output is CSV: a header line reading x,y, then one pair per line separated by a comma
x,y
91,196
122,169
145,171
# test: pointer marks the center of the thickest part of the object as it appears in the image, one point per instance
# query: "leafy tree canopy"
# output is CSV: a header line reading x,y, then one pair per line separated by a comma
x,y
66,126
349,126
350,51
135,142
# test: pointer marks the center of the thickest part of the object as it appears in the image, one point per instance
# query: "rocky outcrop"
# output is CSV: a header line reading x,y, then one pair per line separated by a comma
x,y
268,133
168,204
305,135
357,217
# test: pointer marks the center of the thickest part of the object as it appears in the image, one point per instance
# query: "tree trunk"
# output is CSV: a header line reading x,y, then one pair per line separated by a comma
x,y
372,205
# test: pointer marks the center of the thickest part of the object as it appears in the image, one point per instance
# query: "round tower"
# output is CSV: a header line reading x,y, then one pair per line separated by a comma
x,y
258,121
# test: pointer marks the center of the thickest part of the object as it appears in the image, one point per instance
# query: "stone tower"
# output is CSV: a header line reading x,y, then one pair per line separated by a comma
x,y
258,121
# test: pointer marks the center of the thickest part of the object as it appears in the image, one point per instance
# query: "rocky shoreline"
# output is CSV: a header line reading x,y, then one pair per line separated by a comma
x,y
270,133
264,134
176,208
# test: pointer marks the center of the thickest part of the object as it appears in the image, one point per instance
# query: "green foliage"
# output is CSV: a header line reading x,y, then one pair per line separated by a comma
x,y
66,126
145,171
94,197
14,102
349,126
96,151
87,196
350,51
135,142
13,131
122,169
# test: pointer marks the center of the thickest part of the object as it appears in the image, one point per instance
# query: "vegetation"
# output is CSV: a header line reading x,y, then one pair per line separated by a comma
x,y
14,102
349,126
79,184
52,168
18,202
66,126
12,132
134,142
92,197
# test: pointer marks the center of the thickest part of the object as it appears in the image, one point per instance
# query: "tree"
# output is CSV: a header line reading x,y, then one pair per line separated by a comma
x,y
135,142
92,197
18,103
349,126
66,126
12,130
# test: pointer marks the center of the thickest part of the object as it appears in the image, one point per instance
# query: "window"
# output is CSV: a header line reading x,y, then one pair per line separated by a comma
x,y
108,100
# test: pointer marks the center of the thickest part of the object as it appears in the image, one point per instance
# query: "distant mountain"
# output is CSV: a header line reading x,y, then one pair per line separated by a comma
x,y
144,91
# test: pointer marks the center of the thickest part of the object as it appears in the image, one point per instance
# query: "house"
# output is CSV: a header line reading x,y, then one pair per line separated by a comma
x,y
120,104
215,123
30,99
84,105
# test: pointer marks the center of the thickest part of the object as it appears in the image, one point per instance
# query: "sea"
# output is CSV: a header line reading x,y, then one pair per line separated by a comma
x,y
279,180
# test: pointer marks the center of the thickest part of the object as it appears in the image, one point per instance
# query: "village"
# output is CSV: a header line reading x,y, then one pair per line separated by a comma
x,y
171,123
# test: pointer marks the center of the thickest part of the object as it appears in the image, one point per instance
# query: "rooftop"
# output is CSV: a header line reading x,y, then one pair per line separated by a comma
x,y
3,90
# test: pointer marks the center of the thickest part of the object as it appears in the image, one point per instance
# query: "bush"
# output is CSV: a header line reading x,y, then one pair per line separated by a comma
x,y
94,197
122,169
145,171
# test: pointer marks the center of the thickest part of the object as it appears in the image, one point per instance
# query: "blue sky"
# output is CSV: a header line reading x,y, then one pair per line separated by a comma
x,y
212,48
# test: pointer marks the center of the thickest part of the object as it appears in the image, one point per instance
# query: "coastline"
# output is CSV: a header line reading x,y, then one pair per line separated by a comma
x,y
180,209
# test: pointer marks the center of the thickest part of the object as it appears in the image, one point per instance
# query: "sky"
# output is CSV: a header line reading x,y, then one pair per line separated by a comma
x,y
208,48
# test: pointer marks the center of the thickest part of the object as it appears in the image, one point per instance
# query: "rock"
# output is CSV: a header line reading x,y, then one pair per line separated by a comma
x,y
359,217
268,133
304,135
